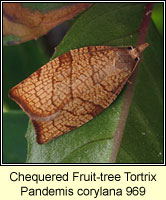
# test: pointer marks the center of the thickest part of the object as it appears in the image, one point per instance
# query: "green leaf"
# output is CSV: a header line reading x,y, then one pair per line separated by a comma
x,y
104,24
157,16
14,142
113,24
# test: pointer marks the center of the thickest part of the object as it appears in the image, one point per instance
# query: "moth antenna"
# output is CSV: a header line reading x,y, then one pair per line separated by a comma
x,y
142,47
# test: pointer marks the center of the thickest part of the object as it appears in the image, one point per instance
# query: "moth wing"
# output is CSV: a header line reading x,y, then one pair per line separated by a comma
x,y
45,91
74,114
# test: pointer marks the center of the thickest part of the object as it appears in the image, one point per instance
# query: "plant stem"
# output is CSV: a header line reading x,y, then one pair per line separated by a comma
x,y
145,23
130,87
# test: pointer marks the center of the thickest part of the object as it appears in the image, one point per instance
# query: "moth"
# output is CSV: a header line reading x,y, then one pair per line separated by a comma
x,y
73,88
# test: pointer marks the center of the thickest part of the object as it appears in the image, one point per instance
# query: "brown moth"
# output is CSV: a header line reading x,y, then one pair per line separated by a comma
x,y
73,88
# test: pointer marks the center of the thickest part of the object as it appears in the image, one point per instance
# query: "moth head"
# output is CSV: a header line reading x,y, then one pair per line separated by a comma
x,y
136,52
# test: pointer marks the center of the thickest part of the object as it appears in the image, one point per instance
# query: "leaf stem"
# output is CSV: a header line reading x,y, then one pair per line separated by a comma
x,y
130,87
145,23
